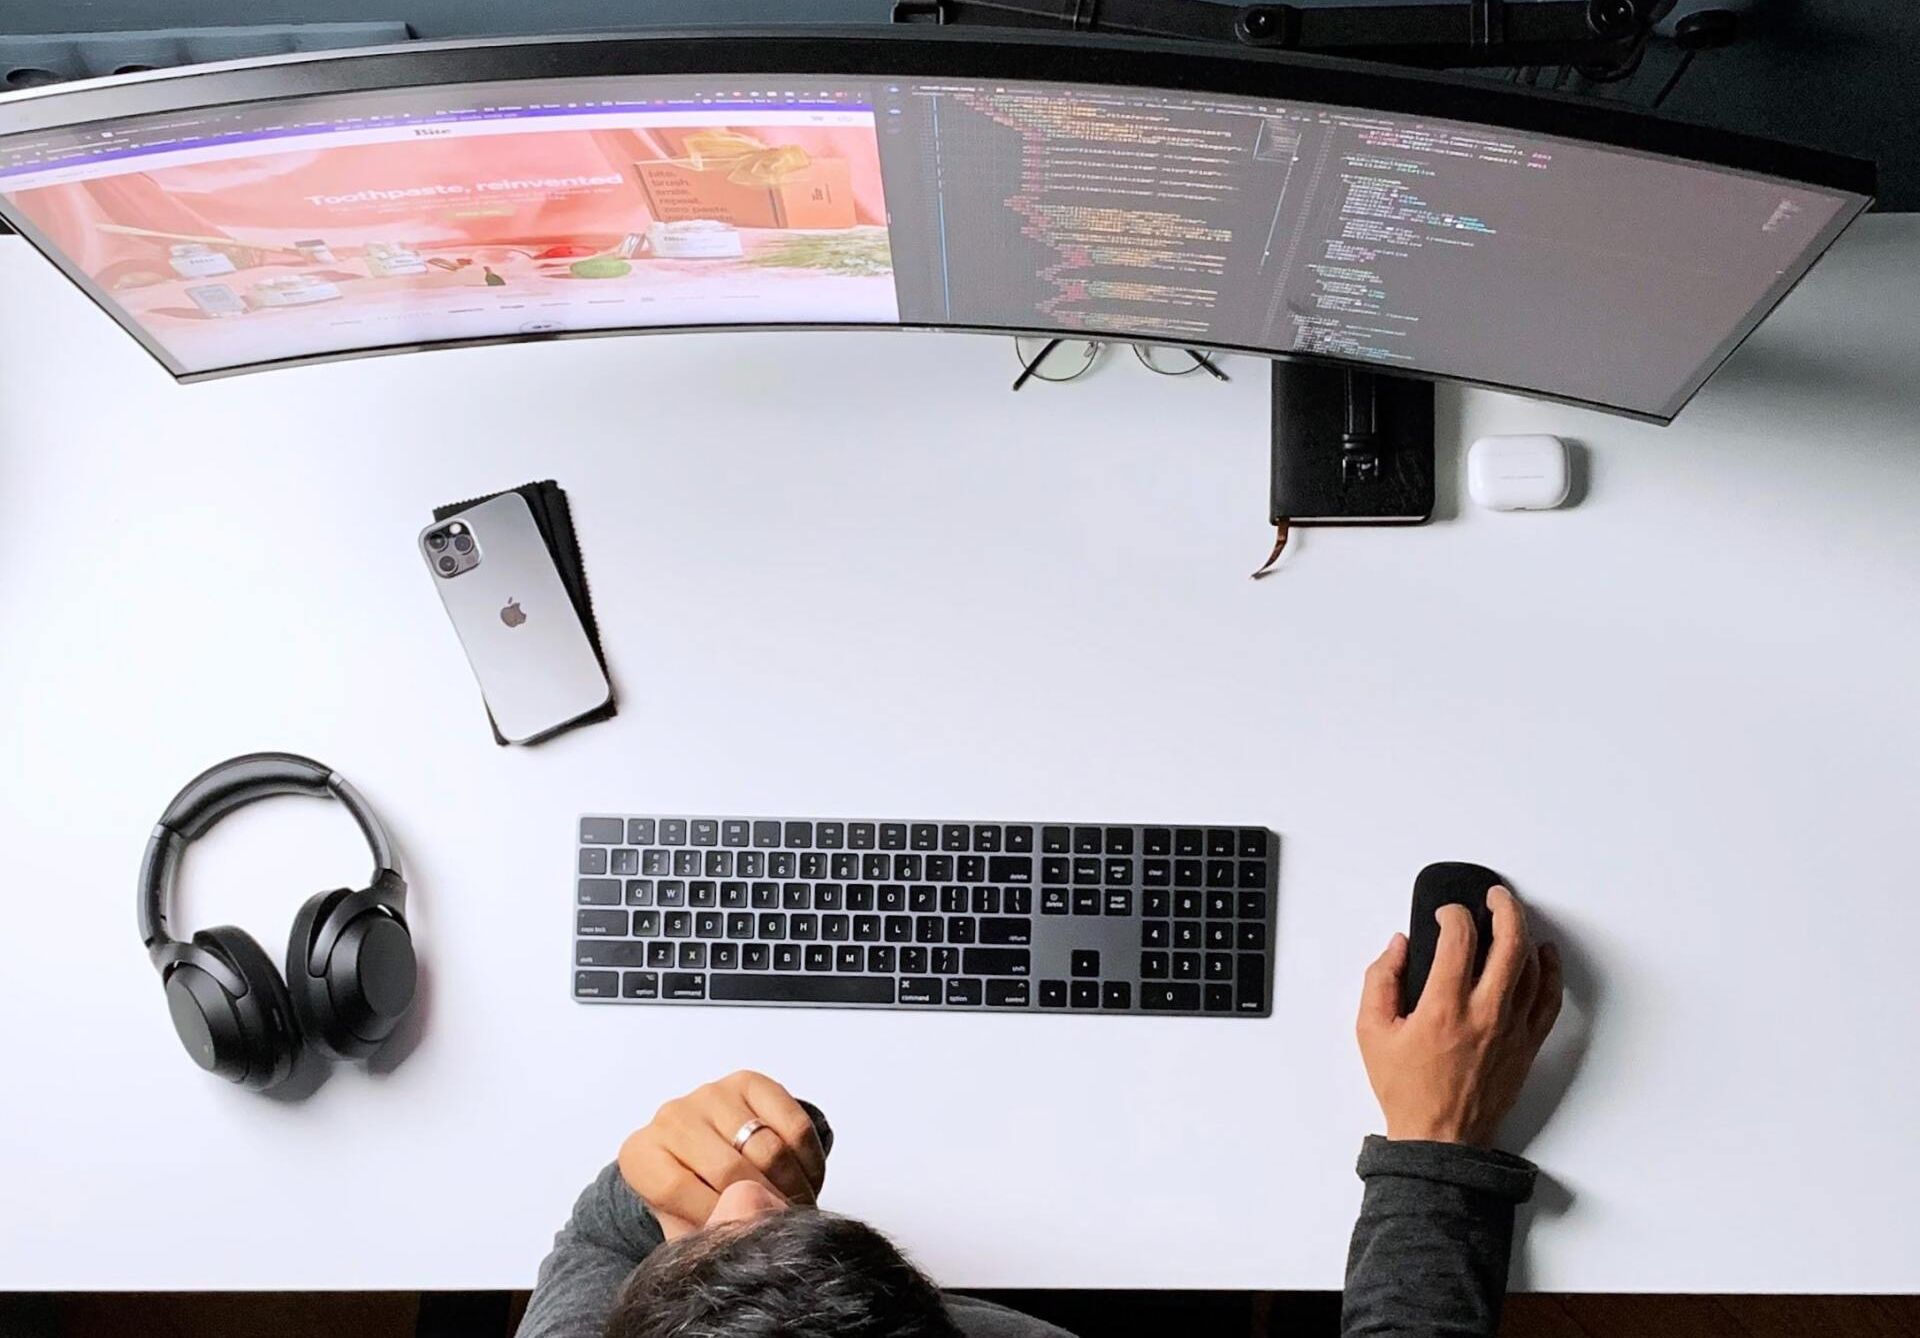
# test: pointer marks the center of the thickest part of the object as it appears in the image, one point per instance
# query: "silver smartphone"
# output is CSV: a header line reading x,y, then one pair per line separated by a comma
x,y
536,667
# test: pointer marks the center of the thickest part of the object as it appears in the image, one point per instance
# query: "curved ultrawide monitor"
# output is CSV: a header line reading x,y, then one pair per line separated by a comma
x,y
258,214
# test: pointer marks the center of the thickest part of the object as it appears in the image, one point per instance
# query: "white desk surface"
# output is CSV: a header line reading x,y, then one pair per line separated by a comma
x,y
851,575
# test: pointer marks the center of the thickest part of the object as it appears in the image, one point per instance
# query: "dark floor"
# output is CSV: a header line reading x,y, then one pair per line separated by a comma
x,y
1188,1314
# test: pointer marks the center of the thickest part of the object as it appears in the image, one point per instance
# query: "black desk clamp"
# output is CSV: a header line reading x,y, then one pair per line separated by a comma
x,y
1351,446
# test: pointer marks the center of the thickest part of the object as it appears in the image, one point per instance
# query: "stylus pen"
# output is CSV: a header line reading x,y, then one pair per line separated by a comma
x,y
1027,372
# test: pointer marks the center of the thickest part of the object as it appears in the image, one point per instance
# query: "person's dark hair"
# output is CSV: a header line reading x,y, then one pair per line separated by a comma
x,y
795,1274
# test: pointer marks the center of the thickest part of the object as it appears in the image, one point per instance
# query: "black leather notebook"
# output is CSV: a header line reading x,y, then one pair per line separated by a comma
x,y
554,517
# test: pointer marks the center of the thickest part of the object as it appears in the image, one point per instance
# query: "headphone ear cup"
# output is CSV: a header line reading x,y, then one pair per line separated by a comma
x,y
309,991
251,1038
365,980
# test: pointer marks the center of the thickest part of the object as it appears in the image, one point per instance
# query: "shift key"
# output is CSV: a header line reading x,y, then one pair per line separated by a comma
x,y
996,962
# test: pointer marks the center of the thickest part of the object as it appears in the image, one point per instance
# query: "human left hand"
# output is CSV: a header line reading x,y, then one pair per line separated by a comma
x,y
684,1157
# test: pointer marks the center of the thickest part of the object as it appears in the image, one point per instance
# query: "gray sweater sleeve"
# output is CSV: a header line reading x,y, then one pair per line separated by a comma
x,y
1429,1253
610,1232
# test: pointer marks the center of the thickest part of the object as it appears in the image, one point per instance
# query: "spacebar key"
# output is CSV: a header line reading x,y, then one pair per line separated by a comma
x,y
729,987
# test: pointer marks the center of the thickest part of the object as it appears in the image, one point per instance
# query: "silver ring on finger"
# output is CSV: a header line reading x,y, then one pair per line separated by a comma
x,y
747,1131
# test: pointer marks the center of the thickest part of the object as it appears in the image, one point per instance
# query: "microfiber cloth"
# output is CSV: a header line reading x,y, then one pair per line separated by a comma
x,y
554,517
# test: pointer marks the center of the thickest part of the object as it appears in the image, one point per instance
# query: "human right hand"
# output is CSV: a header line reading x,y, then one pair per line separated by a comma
x,y
682,1160
1451,1070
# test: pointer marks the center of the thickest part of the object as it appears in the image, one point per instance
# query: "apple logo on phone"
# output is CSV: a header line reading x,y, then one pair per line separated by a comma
x,y
512,615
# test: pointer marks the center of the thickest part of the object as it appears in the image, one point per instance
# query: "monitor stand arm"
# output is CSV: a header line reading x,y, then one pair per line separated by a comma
x,y
1596,35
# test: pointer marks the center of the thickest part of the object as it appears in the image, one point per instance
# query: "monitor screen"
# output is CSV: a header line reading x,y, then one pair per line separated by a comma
x,y
260,232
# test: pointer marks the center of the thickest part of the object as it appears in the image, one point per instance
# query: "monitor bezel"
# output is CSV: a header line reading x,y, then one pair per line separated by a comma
x,y
914,52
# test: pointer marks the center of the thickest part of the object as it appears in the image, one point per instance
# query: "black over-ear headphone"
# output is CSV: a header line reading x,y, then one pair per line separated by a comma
x,y
350,963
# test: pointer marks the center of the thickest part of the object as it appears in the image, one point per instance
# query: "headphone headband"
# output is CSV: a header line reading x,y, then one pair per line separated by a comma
x,y
232,784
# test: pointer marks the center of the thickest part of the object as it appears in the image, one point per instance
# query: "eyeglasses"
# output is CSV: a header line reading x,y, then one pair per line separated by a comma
x,y
1062,360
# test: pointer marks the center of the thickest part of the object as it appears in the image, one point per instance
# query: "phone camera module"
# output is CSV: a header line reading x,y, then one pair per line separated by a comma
x,y
451,549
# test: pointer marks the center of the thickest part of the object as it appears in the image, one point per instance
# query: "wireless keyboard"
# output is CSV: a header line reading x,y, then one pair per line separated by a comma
x,y
1007,916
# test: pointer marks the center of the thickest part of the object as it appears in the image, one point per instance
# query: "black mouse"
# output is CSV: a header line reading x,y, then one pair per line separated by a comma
x,y
1438,885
